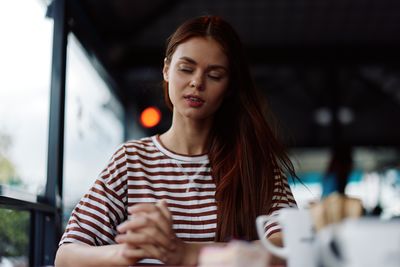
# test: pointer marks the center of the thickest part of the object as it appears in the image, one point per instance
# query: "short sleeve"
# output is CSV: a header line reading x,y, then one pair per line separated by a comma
x,y
282,198
94,219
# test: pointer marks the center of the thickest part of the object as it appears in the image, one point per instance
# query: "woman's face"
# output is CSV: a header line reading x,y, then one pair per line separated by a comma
x,y
197,78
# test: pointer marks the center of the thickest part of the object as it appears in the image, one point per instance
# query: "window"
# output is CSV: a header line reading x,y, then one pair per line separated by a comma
x,y
93,125
375,177
14,237
25,66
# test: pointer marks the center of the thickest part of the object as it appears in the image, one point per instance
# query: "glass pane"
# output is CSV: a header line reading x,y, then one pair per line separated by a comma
x,y
93,128
14,237
374,177
25,67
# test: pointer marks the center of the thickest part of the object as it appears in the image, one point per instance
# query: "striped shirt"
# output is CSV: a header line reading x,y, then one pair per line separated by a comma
x,y
144,171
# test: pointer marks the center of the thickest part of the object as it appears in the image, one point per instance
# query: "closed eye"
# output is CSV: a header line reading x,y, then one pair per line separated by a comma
x,y
185,68
215,77
188,70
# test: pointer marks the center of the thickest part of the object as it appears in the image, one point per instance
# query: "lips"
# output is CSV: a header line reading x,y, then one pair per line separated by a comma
x,y
193,100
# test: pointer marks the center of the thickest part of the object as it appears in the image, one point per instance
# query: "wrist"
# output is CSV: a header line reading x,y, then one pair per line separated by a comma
x,y
114,255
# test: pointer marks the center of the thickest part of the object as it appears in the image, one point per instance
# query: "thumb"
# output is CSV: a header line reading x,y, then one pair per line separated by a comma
x,y
163,205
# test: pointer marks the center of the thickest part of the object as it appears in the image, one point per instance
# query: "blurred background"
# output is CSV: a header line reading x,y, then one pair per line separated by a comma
x,y
79,77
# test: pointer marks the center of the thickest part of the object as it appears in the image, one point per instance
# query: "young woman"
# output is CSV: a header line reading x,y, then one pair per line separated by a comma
x,y
202,182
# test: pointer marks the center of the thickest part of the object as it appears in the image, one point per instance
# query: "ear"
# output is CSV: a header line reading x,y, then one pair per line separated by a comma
x,y
165,70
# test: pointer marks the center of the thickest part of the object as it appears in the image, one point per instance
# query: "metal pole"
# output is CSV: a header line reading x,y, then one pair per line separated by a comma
x,y
53,194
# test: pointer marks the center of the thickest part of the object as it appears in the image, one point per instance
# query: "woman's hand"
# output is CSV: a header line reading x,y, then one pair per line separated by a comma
x,y
150,230
125,254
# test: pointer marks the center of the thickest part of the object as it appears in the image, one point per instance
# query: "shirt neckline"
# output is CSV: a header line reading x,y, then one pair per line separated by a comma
x,y
181,157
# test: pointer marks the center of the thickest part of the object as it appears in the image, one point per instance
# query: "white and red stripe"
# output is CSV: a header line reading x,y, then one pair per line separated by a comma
x,y
143,171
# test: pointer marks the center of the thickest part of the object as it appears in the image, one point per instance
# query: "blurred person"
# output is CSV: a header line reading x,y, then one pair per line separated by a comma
x,y
338,171
204,181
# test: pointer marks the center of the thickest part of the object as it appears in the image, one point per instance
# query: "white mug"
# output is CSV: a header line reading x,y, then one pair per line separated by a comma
x,y
298,237
364,242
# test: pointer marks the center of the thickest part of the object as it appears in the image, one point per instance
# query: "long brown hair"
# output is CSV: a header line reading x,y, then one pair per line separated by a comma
x,y
244,152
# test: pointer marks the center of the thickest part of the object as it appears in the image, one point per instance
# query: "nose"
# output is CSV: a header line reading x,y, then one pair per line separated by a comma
x,y
197,83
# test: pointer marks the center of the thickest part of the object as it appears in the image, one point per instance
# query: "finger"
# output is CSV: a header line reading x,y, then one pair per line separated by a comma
x,y
147,235
159,237
160,206
135,253
146,229
158,213
162,222
155,252
163,205
133,224
133,239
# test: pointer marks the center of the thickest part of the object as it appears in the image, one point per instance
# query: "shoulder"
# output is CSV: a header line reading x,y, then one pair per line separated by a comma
x,y
281,180
127,153
144,143
140,148
279,175
282,190
132,148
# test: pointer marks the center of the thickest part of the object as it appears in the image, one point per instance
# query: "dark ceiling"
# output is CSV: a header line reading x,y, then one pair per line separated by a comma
x,y
330,69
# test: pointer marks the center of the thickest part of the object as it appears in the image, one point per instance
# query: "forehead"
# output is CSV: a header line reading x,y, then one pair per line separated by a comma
x,y
202,50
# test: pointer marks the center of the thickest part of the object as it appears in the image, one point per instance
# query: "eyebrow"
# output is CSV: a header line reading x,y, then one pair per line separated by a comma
x,y
192,61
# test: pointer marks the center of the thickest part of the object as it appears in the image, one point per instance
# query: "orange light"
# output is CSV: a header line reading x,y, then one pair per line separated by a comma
x,y
150,117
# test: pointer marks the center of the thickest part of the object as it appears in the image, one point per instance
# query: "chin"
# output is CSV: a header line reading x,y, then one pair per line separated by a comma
x,y
196,116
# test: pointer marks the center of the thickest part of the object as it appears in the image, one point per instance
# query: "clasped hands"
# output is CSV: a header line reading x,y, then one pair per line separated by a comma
x,y
149,234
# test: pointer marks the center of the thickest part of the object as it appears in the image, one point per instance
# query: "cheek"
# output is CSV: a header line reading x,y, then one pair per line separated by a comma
x,y
176,80
220,92
176,84
173,90
171,93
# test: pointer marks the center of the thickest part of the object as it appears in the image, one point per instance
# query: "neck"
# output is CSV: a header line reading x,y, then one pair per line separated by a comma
x,y
188,137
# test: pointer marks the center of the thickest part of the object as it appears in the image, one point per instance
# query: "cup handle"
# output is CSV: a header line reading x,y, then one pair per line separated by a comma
x,y
260,223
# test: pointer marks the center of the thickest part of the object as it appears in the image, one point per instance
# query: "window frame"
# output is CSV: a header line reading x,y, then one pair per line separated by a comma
x,y
46,211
